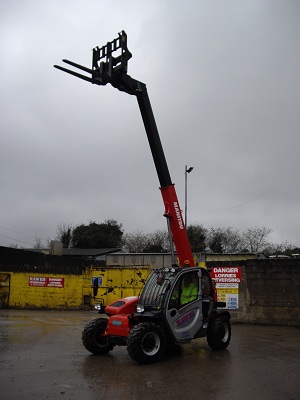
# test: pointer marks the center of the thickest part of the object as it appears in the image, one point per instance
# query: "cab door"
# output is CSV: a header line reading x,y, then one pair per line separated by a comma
x,y
207,295
183,313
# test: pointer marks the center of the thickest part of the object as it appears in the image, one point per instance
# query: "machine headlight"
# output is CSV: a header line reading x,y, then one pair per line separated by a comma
x,y
97,307
139,308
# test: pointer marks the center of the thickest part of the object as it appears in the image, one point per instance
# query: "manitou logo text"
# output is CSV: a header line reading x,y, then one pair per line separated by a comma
x,y
185,319
178,215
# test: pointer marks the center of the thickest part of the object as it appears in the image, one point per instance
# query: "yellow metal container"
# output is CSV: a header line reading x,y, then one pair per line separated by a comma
x,y
117,282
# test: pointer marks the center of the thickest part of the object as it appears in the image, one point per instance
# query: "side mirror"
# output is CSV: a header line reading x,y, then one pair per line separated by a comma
x,y
160,279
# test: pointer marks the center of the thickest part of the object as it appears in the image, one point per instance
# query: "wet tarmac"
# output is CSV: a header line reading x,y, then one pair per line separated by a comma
x,y
42,357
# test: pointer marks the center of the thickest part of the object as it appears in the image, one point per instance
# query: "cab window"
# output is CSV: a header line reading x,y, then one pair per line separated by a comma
x,y
185,291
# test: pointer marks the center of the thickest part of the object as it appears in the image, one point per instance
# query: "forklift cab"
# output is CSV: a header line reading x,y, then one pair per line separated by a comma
x,y
184,296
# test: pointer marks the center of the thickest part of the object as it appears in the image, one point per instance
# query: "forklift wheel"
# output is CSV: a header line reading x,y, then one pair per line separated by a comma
x,y
219,332
146,343
92,338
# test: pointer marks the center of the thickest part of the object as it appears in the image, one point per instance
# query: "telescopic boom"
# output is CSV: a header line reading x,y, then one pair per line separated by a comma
x,y
109,65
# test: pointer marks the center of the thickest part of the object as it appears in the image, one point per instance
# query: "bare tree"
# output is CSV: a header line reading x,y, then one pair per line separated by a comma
x,y
139,242
158,242
231,240
135,242
254,240
13,246
64,234
38,243
282,248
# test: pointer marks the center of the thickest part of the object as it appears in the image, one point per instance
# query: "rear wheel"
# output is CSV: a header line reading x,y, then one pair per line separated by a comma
x,y
219,332
146,343
93,339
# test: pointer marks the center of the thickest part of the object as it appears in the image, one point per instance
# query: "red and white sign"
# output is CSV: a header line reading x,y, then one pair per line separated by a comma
x,y
41,281
226,274
55,282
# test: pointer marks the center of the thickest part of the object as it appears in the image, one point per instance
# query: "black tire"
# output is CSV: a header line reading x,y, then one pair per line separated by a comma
x,y
146,343
92,338
219,332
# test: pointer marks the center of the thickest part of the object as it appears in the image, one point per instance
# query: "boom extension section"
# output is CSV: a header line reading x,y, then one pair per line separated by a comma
x,y
107,68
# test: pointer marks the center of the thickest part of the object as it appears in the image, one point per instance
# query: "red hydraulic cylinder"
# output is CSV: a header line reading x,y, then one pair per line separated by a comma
x,y
180,237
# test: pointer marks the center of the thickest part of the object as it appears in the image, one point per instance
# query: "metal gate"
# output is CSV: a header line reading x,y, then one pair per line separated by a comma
x,y
4,289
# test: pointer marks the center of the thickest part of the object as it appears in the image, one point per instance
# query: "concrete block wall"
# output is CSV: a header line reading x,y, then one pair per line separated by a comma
x,y
273,293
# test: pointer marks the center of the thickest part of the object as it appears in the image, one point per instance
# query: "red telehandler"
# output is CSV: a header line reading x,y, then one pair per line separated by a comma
x,y
179,303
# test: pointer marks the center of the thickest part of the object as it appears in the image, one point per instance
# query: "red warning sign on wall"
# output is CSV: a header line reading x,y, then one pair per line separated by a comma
x,y
226,274
42,281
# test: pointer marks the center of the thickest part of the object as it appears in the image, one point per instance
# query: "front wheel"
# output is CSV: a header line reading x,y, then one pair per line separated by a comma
x,y
146,343
93,339
219,332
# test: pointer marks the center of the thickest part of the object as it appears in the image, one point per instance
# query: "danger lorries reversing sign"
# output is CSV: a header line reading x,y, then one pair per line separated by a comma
x,y
226,274
227,281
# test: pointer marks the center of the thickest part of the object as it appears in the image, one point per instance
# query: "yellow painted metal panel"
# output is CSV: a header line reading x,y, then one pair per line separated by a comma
x,y
4,289
25,294
76,290
118,282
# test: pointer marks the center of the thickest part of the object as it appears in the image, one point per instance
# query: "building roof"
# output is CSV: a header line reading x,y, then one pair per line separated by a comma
x,y
80,252
88,252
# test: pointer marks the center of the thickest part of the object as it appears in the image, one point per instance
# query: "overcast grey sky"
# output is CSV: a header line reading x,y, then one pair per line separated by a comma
x,y
223,81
